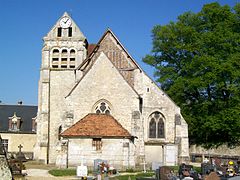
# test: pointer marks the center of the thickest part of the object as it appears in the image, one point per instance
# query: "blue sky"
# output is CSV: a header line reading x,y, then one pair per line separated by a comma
x,y
24,23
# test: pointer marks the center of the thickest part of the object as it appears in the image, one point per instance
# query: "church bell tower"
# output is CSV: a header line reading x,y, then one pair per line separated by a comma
x,y
64,48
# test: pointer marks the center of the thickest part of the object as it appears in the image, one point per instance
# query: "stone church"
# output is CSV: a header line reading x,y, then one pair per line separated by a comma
x,y
95,102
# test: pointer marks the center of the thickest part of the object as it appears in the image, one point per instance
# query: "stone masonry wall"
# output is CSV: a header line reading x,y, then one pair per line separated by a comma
x,y
113,151
103,81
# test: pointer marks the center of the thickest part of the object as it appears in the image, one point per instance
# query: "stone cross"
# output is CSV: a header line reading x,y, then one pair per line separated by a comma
x,y
20,147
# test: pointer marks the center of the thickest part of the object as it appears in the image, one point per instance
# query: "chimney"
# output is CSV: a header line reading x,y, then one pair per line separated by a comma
x,y
20,103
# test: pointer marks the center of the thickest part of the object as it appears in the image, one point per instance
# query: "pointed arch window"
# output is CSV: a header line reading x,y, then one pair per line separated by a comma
x,y
160,128
152,128
156,125
103,108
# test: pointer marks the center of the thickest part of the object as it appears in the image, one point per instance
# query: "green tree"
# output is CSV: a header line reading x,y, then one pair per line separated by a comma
x,y
197,62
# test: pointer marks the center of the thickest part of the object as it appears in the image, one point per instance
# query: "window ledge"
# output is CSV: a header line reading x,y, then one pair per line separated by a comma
x,y
156,142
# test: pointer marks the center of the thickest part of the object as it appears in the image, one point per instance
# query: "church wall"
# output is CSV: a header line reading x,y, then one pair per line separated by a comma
x,y
154,99
154,153
114,151
103,81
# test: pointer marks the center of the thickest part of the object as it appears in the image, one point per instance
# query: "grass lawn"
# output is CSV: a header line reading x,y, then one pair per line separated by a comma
x,y
122,176
125,176
63,172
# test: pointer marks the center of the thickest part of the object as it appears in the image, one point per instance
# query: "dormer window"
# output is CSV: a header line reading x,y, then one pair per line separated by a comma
x,y
14,123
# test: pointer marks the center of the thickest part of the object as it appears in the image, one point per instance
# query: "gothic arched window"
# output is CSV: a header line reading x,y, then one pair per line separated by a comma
x,y
103,108
152,128
156,125
160,128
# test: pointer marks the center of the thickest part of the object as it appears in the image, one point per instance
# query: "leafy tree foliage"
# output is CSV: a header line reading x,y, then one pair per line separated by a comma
x,y
197,62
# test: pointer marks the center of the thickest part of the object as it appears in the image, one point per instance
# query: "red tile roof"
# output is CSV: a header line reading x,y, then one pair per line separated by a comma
x,y
97,125
90,48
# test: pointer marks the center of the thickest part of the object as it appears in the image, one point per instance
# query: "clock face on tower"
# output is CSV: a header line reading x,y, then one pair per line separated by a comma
x,y
65,22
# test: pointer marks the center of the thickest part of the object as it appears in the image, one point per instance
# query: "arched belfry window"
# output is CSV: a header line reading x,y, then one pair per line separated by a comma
x,y
156,125
55,52
55,58
102,108
72,52
64,52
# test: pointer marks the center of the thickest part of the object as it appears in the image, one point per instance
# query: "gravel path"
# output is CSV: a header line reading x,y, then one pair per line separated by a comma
x,y
42,174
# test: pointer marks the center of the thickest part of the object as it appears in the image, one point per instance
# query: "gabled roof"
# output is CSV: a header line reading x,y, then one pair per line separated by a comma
x,y
83,76
97,46
92,56
97,125
78,35
26,113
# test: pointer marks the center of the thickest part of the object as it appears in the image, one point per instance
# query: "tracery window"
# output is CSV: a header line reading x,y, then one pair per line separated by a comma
x,y
102,108
156,125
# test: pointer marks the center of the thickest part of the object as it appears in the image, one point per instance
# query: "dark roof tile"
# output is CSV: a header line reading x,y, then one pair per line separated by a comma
x,y
25,112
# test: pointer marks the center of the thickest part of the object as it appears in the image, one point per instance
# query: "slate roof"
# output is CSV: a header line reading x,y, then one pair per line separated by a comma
x,y
97,125
25,112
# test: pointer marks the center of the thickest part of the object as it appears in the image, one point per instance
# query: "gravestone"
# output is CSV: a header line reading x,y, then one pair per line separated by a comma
x,y
5,172
82,171
97,163
207,168
20,156
156,165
